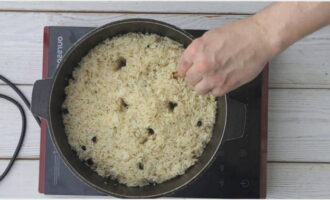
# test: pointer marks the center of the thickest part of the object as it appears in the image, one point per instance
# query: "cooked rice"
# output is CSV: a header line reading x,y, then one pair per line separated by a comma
x,y
128,115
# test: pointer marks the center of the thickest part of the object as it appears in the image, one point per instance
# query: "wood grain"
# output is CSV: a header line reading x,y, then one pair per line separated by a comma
x,y
285,180
10,126
304,65
136,6
299,126
293,180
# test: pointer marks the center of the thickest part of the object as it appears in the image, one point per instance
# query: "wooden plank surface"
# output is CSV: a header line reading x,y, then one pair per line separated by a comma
x,y
294,180
304,65
136,6
299,126
10,126
285,180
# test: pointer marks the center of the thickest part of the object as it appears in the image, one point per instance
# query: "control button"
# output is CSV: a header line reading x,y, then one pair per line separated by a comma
x,y
245,183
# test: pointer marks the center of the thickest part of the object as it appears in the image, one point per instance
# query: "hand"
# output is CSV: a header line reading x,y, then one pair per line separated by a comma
x,y
226,57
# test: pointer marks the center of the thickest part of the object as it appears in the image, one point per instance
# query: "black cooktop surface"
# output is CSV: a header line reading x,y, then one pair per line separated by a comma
x,y
235,173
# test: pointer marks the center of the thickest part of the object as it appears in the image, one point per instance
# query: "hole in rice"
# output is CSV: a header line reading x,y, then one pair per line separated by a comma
x,y
94,139
172,105
83,148
89,162
123,104
121,62
199,123
141,166
150,131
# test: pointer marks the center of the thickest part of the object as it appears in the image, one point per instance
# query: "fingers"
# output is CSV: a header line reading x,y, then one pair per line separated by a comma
x,y
186,60
231,82
203,87
217,92
184,64
193,76
223,59
200,69
213,83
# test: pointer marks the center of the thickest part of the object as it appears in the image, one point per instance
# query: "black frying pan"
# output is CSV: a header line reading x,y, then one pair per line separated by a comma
x,y
48,96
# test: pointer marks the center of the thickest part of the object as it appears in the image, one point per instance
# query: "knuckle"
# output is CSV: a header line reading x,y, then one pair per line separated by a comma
x,y
204,65
206,60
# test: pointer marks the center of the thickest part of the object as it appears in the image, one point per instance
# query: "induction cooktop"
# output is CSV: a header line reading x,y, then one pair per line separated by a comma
x,y
239,170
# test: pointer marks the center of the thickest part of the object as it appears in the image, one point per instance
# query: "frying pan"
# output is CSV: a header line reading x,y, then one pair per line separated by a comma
x,y
48,96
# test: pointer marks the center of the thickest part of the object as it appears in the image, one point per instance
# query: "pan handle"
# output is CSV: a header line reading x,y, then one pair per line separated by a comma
x,y
236,120
40,97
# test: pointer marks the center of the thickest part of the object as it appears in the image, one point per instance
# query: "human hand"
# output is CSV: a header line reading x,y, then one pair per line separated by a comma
x,y
226,57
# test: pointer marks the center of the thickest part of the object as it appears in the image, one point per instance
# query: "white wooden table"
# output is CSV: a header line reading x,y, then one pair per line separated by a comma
x,y
299,102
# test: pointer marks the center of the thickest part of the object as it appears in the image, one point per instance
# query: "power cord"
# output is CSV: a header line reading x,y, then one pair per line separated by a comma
x,y
20,94
23,115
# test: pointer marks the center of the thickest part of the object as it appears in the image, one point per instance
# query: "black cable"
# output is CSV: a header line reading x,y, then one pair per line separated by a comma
x,y
20,94
23,130
21,139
